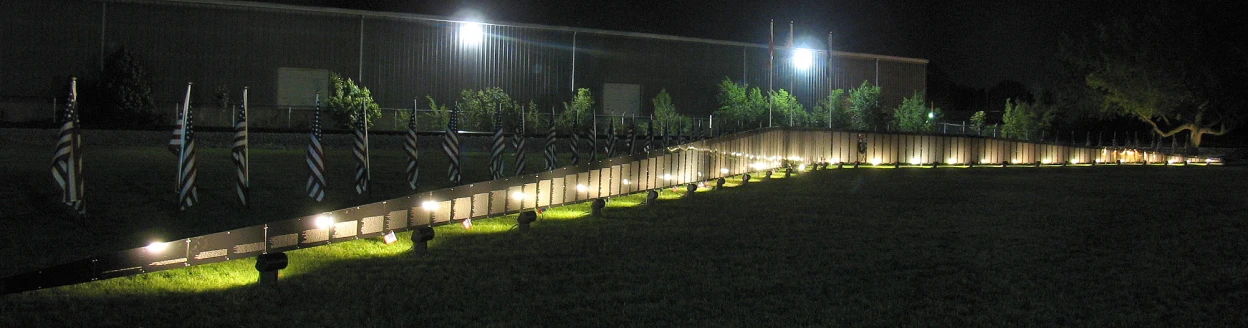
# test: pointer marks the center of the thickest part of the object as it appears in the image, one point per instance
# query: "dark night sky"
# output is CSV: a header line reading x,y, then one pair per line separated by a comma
x,y
978,42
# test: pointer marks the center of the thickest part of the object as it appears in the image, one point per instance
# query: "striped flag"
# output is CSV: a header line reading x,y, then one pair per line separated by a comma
x,y
650,146
549,149
632,136
316,157
409,146
175,142
450,146
360,151
679,139
611,139
497,147
67,159
574,146
188,195
517,142
239,152
593,140
666,140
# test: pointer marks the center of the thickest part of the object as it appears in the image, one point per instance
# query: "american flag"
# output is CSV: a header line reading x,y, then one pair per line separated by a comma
x,y
611,139
497,146
360,151
450,146
316,157
574,146
188,195
666,140
679,139
67,159
517,142
240,155
175,142
650,146
632,136
409,146
593,140
549,149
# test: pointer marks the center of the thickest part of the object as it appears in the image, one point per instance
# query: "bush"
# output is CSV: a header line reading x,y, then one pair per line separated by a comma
x,y
344,102
665,115
835,107
1026,121
913,116
865,110
786,111
126,97
741,106
978,121
578,112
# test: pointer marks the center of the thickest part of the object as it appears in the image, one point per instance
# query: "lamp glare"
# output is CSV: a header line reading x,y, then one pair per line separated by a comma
x,y
580,188
429,205
471,33
157,247
803,59
517,195
723,170
323,222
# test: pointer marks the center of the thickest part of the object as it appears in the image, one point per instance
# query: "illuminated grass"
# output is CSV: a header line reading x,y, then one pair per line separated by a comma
x,y
1085,246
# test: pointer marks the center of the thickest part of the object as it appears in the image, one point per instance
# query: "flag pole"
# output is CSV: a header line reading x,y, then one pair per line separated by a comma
x,y
247,152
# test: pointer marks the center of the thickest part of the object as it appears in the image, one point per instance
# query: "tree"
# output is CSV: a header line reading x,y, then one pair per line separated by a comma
x,y
344,102
1026,121
978,120
914,116
1171,68
580,108
477,107
665,115
786,110
741,106
126,101
865,109
834,107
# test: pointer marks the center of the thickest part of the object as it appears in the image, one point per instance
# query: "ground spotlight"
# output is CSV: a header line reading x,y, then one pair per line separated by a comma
x,y
524,219
719,183
596,207
690,189
420,239
651,197
269,265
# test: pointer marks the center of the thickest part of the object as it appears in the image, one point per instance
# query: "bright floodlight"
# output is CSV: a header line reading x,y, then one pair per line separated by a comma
x,y
876,161
517,195
580,188
803,59
667,177
801,167
471,33
323,222
626,182
931,115
156,247
723,170
429,205
951,161
914,160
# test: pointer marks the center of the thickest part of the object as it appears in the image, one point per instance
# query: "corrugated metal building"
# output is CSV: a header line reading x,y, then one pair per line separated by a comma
x,y
283,53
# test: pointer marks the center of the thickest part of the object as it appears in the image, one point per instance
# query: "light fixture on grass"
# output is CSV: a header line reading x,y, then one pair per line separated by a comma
x,y
420,239
876,161
690,189
719,183
524,219
915,160
269,264
651,197
596,207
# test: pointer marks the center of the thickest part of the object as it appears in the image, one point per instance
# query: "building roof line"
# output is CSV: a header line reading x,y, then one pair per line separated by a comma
x,y
431,18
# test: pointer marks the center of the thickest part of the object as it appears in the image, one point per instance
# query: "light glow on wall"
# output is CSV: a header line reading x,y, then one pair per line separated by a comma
x,y
803,59
471,33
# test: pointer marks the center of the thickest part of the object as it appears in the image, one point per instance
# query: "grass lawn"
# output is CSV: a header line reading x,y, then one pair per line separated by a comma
x,y
1086,246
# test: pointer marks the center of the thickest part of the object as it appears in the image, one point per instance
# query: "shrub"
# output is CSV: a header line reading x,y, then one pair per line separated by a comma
x,y
344,102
